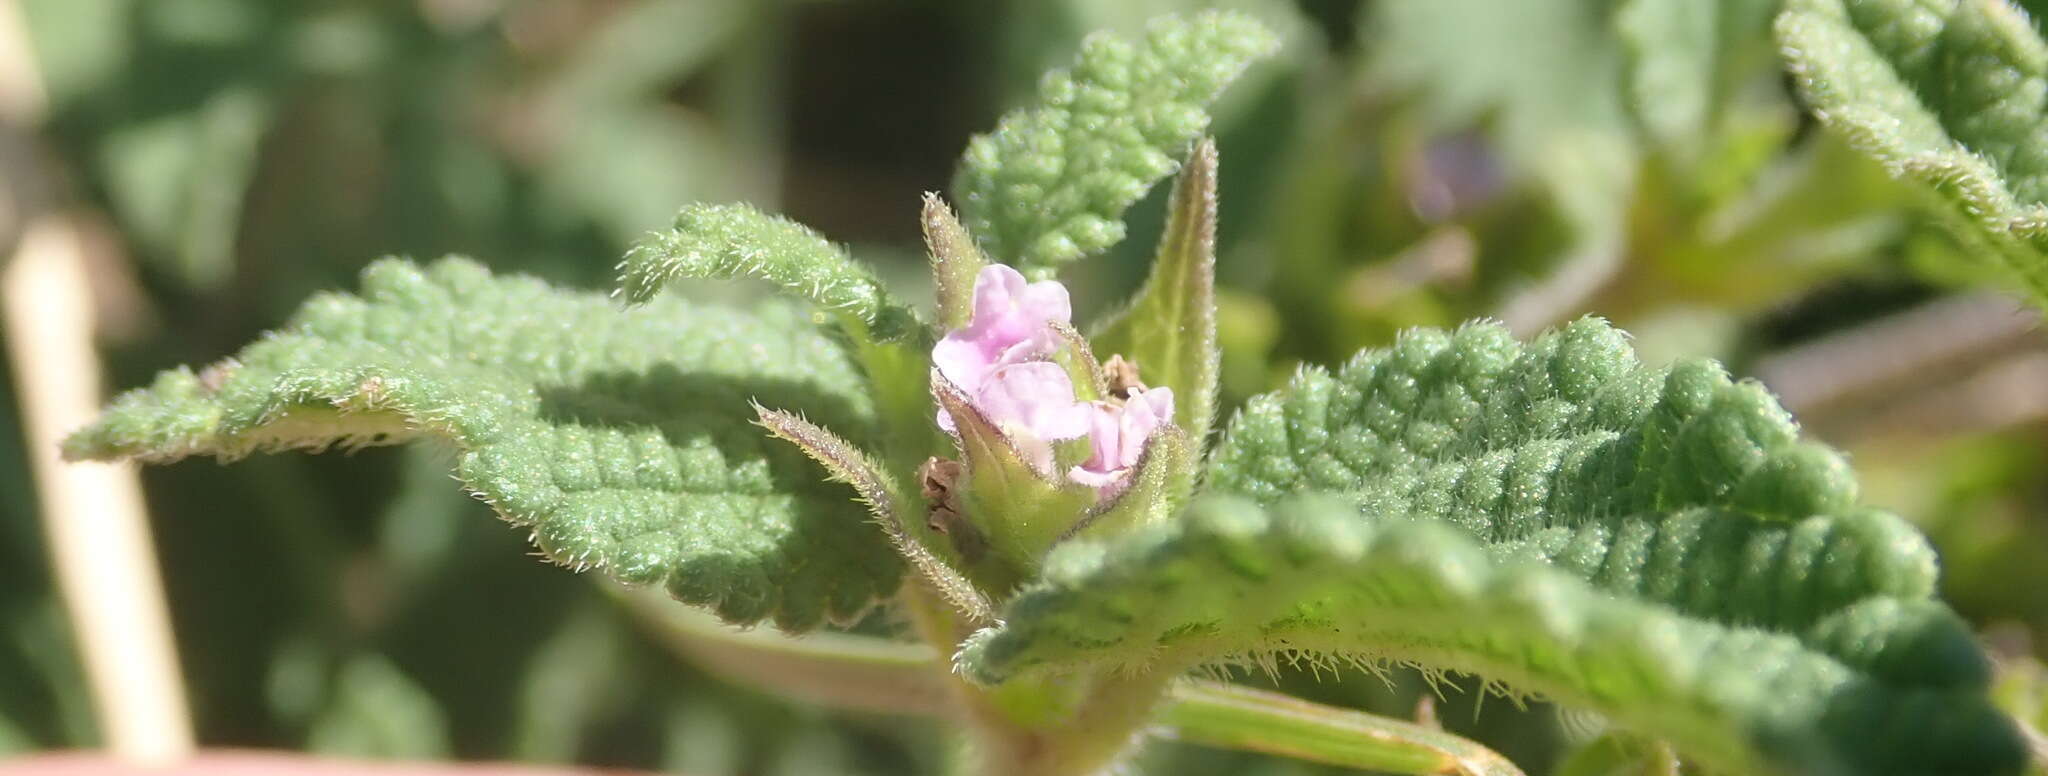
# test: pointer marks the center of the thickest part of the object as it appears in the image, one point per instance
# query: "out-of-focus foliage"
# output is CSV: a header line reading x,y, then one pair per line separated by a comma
x,y
1400,163
2021,688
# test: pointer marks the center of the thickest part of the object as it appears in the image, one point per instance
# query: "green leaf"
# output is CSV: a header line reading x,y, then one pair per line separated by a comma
x,y
1050,185
2020,687
1507,440
620,438
1310,576
1170,329
1657,545
1948,96
867,673
730,241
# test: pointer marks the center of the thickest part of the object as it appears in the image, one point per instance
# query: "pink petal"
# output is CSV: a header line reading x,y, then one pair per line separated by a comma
x,y
995,292
1118,434
1143,413
1011,324
962,361
1036,397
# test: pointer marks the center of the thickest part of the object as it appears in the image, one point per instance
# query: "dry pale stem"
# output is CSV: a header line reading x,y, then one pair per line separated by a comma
x,y
92,512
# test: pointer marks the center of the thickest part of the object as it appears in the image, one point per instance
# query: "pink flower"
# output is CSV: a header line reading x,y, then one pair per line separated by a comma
x,y
1011,325
998,362
1118,436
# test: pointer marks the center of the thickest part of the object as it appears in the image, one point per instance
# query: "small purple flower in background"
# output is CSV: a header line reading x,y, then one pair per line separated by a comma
x,y
1118,437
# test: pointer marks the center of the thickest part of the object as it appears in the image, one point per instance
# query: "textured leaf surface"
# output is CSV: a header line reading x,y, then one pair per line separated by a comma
x,y
734,241
1050,185
1947,95
1656,544
621,438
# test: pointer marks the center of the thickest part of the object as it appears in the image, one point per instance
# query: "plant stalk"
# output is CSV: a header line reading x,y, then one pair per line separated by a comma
x,y
873,674
1072,726
93,514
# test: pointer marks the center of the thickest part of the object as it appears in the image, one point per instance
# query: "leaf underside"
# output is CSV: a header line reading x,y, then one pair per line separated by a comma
x,y
733,241
1951,96
1655,544
1051,183
620,438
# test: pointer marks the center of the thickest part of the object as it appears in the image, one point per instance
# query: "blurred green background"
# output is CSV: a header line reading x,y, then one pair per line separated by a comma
x,y
1403,163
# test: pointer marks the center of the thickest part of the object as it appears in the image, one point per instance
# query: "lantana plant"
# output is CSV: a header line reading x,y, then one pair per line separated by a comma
x,y
1047,503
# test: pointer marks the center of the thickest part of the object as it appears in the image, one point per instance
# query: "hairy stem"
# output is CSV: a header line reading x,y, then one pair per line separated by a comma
x,y
1068,726
830,669
868,673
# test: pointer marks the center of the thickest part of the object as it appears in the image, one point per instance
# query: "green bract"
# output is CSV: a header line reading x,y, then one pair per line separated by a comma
x,y
1050,185
1170,328
1946,95
621,438
1655,544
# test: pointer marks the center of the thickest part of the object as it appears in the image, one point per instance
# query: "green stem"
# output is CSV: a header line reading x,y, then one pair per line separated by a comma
x,y
1075,726
829,669
1231,717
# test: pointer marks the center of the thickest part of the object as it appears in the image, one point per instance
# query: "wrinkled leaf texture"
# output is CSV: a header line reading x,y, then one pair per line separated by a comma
x,y
1656,544
620,438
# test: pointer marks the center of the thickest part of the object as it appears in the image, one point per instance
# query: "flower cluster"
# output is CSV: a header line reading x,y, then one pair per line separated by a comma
x,y
1000,362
